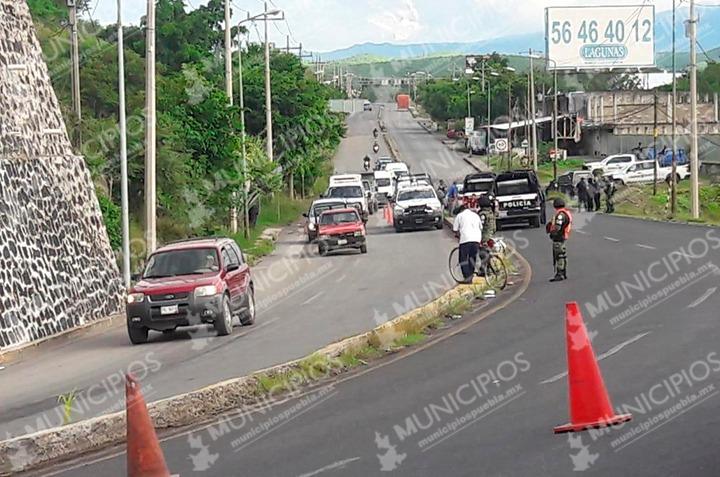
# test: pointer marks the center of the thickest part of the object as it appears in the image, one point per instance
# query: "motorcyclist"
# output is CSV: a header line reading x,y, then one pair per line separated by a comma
x,y
366,163
375,132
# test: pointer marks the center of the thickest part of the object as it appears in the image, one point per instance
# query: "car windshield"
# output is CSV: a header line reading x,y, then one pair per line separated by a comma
x,y
479,186
416,194
514,187
338,218
172,263
383,182
347,192
320,208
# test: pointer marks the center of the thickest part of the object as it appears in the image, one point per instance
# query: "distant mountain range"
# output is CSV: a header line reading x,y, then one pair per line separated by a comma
x,y
708,37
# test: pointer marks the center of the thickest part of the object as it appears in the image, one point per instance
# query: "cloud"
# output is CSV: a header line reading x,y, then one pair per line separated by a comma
x,y
403,23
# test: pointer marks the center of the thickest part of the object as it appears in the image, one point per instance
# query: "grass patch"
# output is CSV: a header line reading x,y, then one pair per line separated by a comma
x,y
638,201
410,340
545,170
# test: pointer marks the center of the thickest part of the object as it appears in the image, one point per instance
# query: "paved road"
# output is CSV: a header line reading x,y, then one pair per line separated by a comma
x,y
305,302
485,401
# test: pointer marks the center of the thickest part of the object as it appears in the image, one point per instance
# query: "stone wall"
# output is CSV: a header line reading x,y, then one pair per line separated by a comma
x,y
57,270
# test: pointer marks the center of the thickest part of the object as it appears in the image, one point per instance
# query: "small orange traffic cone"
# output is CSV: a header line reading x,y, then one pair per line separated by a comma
x,y
144,456
388,215
590,406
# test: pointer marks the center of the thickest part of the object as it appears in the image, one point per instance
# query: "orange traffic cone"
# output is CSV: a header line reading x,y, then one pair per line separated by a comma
x,y
590,405
144,456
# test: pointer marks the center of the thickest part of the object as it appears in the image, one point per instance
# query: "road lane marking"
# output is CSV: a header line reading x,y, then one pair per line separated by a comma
x,y
612,239
645,310
669,420
707,295
649,247
335,465
614,350
312,298
581,232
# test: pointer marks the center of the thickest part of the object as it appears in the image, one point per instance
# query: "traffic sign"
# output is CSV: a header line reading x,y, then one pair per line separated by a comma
x,y
501,145
469,126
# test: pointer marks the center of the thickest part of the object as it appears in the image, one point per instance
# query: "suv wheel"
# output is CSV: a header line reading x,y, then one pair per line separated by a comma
x,y
223,324
247,317
137,334
535,222
440,224
363,249
322,249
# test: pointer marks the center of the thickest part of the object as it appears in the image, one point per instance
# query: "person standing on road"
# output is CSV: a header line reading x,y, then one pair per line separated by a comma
x,y
610,190
599,186
487,213
469,230
591,189
582,192
452,194
559,231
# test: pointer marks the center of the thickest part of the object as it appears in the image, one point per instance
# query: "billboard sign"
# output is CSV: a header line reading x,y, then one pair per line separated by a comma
x,y
603,37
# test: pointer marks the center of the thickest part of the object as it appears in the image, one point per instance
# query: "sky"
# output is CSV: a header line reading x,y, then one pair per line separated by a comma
x,y
325,25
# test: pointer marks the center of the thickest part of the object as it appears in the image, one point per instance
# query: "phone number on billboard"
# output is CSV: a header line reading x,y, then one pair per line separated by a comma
x,y
591,31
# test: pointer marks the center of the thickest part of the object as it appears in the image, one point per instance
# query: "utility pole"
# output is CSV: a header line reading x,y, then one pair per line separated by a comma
x,y
268,93
246,183
555,124
673,179
123,150
228,62
694,159
150,133
532,113
510,120
75,73
655,136
469,92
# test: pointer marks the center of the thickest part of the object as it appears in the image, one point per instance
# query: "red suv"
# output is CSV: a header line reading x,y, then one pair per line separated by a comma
x,y
189,283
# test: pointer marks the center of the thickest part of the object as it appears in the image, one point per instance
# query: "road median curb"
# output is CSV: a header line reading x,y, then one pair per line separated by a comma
x,y
43,448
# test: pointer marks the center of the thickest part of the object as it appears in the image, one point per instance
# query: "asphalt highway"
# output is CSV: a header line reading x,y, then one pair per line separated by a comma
x,y
485,401
304,303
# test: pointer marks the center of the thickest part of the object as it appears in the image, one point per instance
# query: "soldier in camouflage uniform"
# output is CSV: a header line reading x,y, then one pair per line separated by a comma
x,y
486,211
559,231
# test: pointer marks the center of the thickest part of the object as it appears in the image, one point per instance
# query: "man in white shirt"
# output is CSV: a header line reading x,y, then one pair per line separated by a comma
x,y
468,228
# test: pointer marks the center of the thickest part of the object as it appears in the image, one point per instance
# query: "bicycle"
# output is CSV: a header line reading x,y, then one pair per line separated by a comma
x,y
496,273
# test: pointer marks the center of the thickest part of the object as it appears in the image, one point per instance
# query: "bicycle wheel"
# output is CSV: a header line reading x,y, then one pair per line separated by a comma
x,y
496,274
454,266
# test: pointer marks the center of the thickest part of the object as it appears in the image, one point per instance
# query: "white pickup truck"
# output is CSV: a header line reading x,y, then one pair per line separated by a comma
x,y
643,171
614,163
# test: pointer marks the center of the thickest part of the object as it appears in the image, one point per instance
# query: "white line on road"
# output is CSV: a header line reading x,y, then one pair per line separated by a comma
x,y
649,247
335,465
581,232
660,302
312,298
611,239
607,354
707,295
697,403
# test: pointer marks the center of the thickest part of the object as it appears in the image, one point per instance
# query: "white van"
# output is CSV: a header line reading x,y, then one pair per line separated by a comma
x,y
344,179
397,168
384,183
